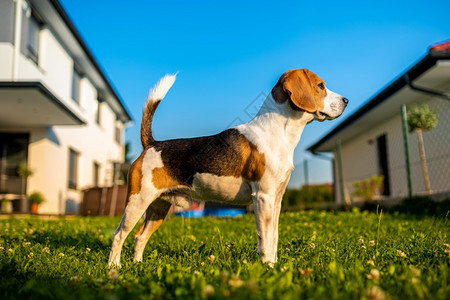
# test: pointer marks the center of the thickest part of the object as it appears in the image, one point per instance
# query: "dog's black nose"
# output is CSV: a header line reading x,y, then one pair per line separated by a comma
x,y
345,100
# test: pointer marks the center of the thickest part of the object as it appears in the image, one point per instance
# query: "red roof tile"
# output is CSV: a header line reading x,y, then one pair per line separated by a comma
x,y
441,47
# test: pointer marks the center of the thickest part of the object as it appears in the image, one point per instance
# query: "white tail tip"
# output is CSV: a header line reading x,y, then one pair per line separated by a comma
x,y
160,90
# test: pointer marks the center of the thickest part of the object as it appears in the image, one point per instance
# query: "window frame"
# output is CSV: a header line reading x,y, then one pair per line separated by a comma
x,y
34,26
96,173
72,178
77,76
98,113
117,133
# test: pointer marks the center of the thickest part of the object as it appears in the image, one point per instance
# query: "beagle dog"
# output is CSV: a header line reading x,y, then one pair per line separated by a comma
x,y
249,163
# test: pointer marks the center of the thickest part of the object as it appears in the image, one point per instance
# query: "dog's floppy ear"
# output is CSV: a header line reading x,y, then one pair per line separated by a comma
x,y
295,85
298,86
278,93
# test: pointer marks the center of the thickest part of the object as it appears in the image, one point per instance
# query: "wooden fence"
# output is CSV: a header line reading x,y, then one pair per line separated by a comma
x,y
104,201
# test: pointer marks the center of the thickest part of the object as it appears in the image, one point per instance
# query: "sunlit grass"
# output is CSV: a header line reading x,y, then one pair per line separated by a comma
x,y
343,255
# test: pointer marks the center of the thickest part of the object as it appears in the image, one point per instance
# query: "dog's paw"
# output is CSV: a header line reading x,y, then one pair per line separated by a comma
x,y
114,265
270,262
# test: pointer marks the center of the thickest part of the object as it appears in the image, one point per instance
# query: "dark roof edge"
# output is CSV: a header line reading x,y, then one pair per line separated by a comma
x,y
45,91
423,65
58,7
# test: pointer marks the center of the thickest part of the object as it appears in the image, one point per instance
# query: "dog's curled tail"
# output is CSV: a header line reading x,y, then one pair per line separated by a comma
x,y
154,98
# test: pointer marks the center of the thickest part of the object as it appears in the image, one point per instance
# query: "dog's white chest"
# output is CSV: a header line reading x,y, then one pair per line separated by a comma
x,y
221,188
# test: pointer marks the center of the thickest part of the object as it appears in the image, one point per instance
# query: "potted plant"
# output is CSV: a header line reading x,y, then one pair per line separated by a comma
x,y
7,206
36,199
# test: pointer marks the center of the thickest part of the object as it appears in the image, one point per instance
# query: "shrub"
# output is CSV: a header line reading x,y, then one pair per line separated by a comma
x,y
369,187
422,205
299,198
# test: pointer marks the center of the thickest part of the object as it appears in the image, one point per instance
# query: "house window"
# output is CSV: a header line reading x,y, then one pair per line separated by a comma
x,y
96,174
13,154
98,112
76,79
33,38
118,134
73,169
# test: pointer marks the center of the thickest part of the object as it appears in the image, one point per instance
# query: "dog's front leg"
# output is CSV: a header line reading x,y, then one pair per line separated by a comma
x,y
279,198
265,215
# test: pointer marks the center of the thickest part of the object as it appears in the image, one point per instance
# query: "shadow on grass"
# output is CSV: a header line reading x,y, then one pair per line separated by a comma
x,y
31,285
80,240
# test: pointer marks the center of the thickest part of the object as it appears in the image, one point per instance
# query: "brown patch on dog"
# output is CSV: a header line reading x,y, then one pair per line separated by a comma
x,y
156,212
161,179
146,125
135,177
228,153
254,162
304,90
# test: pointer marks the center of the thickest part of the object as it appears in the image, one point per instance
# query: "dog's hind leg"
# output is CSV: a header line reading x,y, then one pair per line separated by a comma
x,y
154,217
134,210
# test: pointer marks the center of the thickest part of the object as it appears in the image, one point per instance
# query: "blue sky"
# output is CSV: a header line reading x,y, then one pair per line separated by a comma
x,y
229,53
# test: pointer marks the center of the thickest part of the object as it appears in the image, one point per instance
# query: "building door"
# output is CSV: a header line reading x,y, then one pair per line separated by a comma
x,y
13,153
383,163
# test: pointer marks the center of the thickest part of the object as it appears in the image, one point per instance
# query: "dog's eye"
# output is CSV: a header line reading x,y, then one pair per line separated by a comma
x,y
321,86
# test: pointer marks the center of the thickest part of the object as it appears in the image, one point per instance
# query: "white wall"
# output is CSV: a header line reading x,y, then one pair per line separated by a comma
x,y
6,53
360,157
49,147
48,160
54,70
56,64
94,143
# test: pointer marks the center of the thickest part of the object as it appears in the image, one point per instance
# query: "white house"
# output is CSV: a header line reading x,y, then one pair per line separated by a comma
x,y
372,141
59,113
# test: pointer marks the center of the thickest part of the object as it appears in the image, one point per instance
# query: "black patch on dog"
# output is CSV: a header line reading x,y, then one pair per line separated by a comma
x,y
228,153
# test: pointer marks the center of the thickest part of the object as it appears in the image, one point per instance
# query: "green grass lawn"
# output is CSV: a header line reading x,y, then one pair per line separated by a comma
x,y
322,255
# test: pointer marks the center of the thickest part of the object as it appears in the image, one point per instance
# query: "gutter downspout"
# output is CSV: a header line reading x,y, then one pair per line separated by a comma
x,y
446,96
322,156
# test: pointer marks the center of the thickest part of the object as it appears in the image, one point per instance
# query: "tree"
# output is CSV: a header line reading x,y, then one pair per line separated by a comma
x,y
126,164
421,118
24,172
126,152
